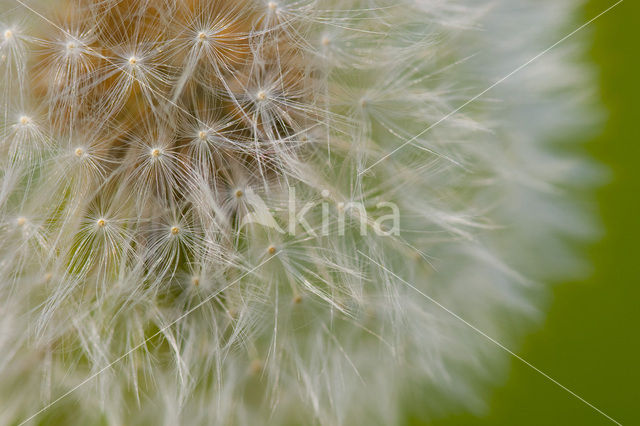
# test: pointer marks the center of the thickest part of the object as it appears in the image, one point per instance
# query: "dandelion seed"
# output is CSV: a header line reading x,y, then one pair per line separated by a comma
x,y
255,367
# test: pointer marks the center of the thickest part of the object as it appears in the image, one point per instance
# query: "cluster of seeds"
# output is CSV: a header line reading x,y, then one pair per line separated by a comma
x,y
195,207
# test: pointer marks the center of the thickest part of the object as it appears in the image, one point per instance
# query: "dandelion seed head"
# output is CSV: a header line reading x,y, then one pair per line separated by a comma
x,y
181,169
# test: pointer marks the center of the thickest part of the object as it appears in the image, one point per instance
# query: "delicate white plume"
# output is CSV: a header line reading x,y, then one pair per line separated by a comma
x,y
216,210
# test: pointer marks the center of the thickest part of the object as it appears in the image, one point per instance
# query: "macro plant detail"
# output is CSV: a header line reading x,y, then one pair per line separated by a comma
x,y
150,155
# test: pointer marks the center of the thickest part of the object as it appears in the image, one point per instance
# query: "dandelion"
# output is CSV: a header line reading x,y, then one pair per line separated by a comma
x,y
191,192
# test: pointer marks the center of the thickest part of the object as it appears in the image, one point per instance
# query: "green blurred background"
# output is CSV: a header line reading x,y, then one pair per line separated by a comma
x,y
590,340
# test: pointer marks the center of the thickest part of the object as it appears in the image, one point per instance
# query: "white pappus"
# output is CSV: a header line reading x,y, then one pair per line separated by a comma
x,y
210,210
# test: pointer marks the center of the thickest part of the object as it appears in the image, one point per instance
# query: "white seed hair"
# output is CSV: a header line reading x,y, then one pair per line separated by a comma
x,y
150,153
